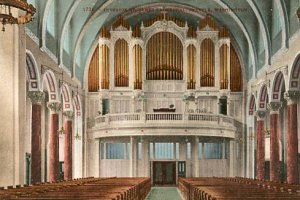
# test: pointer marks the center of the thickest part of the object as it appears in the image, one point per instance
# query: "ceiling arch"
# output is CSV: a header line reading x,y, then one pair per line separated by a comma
x,y
83,27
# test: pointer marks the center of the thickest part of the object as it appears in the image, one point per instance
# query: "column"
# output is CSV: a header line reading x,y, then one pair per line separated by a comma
x,y
54,107
274,141
195,154
260,147
132,164
68,145
292,138
231,158
146,158
36,154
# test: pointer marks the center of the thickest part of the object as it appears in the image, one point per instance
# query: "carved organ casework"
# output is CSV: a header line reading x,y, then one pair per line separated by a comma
x,y
165,48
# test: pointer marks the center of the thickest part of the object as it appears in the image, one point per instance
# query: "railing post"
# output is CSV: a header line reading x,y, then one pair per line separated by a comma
x,y
107,119
143,117
185,117
220,119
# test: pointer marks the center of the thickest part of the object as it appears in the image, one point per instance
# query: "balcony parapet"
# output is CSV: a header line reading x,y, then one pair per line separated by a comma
x,y
165,119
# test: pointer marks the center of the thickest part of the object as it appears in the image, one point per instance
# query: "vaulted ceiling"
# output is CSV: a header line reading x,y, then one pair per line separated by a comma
x,y
69,29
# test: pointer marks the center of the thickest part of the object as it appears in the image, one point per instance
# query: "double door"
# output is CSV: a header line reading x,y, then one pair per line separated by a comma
x,y
164,173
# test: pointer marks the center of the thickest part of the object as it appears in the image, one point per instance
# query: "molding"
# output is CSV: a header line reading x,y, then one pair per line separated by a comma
x,y
32,36
50,54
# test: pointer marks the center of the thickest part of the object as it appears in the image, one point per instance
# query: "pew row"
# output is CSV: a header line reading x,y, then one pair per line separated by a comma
x,y
213,188
87,189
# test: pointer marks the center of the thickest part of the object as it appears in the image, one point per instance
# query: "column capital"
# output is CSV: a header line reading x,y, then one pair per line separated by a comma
x,y
54,107
69,115
261,114
36,97
291,96
274,106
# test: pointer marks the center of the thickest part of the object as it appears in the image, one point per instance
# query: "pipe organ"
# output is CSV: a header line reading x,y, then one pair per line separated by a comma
x,y
165,48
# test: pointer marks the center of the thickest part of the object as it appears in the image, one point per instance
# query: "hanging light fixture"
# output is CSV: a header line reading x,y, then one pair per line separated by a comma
x,y
10,12
77,136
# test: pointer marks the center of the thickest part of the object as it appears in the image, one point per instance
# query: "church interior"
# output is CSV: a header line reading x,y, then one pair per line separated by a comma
x,y
132,100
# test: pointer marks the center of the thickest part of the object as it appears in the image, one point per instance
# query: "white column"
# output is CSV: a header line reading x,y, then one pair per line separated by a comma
x,y
133,157
232,158
195,154
182,150
145,157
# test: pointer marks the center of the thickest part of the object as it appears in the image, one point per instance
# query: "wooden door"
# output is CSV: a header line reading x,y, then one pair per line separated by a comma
x,y
164,173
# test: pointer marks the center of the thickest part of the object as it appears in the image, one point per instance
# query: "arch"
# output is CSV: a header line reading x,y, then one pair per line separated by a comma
x,y
263,98
265,32
83,30
295,74
44,22
277,85
32,72
252,105
51,85
66,95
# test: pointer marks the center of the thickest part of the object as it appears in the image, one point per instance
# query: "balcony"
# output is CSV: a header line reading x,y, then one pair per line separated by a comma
x,y
128,124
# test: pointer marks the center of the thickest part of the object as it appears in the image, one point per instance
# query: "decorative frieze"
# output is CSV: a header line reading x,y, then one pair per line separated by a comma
x,y
37,97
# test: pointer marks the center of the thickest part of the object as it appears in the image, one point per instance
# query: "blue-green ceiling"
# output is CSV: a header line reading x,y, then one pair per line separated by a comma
x,y
72,26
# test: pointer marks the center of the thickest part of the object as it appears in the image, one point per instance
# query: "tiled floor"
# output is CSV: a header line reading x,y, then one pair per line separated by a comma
x,y
163,193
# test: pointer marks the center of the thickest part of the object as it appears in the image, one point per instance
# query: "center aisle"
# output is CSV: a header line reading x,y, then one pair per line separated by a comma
x,y
163,193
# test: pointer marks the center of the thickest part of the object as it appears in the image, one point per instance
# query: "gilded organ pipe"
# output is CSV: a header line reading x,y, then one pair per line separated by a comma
x,y
93,76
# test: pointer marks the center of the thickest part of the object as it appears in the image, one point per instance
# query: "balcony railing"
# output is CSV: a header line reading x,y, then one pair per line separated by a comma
x,y
167,118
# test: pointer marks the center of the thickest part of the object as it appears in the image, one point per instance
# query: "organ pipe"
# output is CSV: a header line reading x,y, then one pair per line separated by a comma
x,y
137,52
164,57
207,70
104,66
223,66
235,71
93,80
191,51
121,67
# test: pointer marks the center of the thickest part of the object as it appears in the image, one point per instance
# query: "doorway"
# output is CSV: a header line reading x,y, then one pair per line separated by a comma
x,y
164,173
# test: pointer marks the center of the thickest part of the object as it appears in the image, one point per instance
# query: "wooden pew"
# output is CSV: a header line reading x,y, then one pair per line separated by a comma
x,y
90,188
232,188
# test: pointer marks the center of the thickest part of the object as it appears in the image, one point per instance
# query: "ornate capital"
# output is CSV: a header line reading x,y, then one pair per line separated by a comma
x,y
274,106
260,114
291,96
68,114
36,97
54,106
